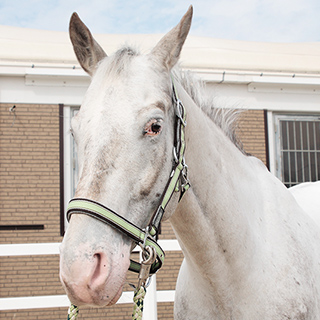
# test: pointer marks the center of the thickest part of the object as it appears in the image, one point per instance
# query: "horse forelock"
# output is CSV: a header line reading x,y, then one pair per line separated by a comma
x,y
120,60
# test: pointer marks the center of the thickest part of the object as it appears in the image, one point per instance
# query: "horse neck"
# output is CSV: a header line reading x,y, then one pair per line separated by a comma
x,y
212,222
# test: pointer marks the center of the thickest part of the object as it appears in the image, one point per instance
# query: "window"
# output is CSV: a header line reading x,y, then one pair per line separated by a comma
x,y
297,148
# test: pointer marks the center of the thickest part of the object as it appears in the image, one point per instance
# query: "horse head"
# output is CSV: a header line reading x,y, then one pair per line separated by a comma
x,y
124,134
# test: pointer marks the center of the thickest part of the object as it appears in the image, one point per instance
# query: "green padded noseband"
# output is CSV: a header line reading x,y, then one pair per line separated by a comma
x,y
106,215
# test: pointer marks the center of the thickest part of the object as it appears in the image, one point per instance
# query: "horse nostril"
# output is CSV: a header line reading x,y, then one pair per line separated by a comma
x,y
100,269
97,256
97,261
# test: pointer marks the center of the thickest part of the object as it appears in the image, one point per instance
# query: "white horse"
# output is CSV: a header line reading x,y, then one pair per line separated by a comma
x,y
250,251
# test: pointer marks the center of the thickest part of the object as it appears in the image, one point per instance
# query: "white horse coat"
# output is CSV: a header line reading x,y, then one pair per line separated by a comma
x,y
250,251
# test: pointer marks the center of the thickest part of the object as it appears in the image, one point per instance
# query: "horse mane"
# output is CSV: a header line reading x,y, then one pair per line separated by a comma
x,y
225,118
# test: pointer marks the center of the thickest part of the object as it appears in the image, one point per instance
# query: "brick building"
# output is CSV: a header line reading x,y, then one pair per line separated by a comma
x,y
42,86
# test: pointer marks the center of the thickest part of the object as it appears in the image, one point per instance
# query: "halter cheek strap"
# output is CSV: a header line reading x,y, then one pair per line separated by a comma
x,y
178,180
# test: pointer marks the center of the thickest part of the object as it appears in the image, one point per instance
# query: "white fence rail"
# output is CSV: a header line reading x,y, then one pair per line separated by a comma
x,y
30,249
57,301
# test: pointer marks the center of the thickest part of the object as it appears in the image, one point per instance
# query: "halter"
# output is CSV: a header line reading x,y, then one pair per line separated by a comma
x,y
152,253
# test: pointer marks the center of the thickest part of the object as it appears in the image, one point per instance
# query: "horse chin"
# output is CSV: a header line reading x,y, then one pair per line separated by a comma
x,y
106,299
99,298
116,297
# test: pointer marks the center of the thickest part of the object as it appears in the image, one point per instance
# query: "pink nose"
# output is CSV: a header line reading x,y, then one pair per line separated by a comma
x,y
94,260
85,279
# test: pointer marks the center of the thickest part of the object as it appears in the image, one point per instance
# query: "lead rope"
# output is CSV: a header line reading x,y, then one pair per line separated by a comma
x,y
73,312
148,257
138,297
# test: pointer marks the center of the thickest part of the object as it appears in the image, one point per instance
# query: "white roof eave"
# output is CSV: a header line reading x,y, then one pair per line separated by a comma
x,y
41,53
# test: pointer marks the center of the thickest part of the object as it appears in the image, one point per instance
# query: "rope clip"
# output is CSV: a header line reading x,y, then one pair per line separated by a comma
x,y
148,258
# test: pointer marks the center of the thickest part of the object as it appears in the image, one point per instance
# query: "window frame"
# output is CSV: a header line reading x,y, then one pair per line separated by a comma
x,y
278,167
69,163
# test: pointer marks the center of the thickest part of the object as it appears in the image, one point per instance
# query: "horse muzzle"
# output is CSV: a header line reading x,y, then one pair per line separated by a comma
x,y
93,273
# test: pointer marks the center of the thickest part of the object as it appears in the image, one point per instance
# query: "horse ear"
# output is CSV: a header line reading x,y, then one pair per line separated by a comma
x,y
86,48
169,47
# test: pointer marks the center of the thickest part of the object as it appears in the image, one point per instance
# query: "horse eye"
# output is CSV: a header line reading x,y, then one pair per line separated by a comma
x,y
153,128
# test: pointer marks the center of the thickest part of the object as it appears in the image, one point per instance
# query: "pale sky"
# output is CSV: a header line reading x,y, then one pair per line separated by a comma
x,y
251,20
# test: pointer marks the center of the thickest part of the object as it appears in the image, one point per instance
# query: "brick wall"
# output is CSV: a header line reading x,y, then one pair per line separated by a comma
x,y
30,194
29,164
252,133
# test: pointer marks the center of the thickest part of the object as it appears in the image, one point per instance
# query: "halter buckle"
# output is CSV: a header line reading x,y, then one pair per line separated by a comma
x,y
175,156
179,110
